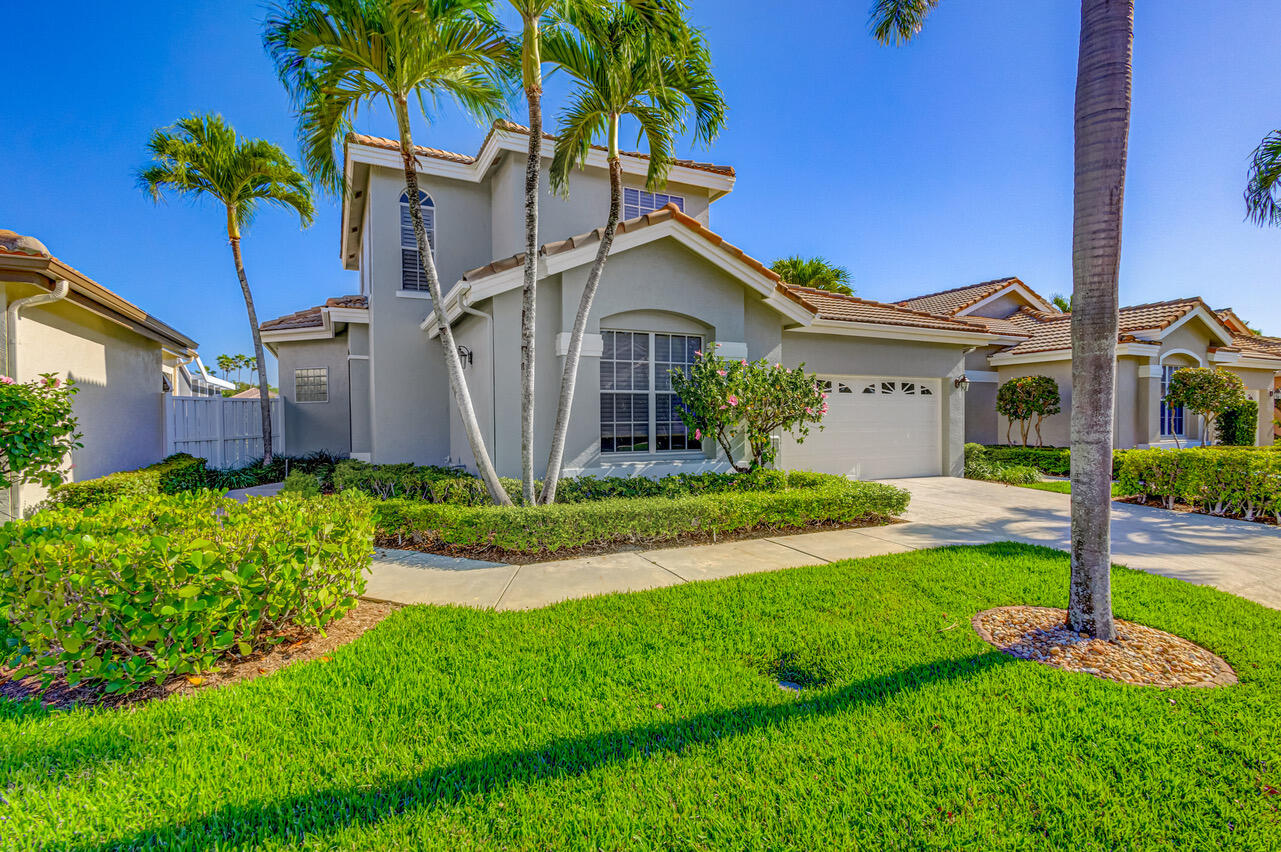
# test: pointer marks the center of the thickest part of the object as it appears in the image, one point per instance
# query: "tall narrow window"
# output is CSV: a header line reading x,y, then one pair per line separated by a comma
x,y
638,202
412,276
639,412
1171,415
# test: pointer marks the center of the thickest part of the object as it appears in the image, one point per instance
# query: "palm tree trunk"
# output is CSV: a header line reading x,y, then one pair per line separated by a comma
x,y
569,377
233,235
1101,131
453,363
528,301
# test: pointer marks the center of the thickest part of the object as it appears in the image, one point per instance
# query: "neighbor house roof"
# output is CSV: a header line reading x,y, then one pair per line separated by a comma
x,y
512,127
254,393
26,259
1049,332
958,298
839,307
311,317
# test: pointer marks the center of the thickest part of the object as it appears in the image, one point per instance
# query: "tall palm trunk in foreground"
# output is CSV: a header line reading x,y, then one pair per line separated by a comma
x,y
1102,129
264,390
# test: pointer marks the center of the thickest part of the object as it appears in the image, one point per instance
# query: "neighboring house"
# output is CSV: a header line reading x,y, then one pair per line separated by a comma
x,y
186,375
1154,341
254,393
120,357
362,374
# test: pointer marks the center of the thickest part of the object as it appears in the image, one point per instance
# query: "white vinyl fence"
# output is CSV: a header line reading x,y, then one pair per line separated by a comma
x,y
226,432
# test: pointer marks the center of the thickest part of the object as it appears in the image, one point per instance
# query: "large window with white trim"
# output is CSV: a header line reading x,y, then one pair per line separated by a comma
x,y
639,412
412,276
1171,415
638,202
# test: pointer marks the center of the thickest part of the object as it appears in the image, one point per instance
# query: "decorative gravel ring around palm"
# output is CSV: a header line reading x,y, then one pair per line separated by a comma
x,y
1140,656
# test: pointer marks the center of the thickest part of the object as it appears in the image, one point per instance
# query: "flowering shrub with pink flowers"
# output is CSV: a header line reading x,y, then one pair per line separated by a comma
x,y
728,400
37,430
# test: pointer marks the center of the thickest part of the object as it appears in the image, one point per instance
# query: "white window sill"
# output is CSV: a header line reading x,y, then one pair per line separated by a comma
x,y
413,294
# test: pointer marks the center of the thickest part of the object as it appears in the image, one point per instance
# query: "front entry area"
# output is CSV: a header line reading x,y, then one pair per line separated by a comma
x,y
877,427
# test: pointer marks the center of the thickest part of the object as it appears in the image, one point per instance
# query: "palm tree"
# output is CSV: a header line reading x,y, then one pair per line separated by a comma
x,y
623,64
201,156
1063,303
337,56
814,272
1102,126
1263,192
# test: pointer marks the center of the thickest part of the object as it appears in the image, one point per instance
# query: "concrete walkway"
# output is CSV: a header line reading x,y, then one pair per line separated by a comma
x,y
1236,556
271,489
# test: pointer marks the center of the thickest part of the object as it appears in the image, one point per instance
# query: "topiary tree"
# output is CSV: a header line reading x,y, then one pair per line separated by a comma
x,y
37,431
1239,424
1027,397
724,399
1208,391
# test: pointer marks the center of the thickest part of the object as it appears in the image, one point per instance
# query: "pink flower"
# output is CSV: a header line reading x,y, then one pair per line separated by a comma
x,y
732,400
698,353
777,365
743,362
53,383
721,373
5,380
698,434
809,410
823,410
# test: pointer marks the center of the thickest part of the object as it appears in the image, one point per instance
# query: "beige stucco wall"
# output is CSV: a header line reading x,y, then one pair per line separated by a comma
x,y
313,426
119,375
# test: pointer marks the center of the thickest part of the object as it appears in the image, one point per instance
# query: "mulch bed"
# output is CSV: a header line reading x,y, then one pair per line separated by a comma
x,y
1183,508
297,646
1141,656
522,557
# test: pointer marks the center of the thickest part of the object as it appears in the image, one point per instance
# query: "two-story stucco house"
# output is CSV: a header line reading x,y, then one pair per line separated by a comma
x,y
362,375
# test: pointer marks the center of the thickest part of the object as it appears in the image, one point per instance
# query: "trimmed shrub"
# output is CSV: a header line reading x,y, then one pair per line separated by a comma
x,y
319,463
1051,461
301,483
980,465
135,591
1238,424
1219,481
417,482
177,473
533,530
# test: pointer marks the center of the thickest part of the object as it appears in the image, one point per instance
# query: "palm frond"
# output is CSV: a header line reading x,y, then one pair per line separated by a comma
x,y
899,21
1263,190
816,272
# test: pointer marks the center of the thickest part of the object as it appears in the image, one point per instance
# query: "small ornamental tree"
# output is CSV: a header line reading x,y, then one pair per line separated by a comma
x,y
1027,397
1208,391
37,430
723,399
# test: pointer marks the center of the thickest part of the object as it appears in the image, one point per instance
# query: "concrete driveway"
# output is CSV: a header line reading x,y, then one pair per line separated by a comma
x,y
1236,556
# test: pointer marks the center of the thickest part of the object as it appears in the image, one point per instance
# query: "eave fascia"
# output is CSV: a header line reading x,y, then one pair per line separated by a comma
x,y
898,332
1137,350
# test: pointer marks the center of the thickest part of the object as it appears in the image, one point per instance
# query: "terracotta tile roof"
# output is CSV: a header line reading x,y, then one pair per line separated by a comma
x,y
511,126
311,317
1257,344
834,306
949,302
1007,326
1054,331
628,226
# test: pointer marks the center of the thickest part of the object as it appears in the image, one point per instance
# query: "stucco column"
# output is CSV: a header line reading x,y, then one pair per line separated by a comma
x,y
1149,402
953,425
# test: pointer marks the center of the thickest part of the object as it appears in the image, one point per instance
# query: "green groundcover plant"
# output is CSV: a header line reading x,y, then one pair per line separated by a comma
x,y
806,500
154,586
1219,481
980,465
37,430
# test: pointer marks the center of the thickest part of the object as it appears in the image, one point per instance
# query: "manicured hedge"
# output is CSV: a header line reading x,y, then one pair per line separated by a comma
x,y
1238,424
532,530
144,589
177,473
1051,461
417,482
1220,481
980,465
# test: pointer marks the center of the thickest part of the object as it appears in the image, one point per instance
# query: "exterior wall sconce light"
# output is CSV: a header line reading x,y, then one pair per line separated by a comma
x,y
465,354
962,382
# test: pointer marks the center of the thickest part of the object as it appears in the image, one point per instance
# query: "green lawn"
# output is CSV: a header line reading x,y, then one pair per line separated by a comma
x,y
653,720
1062,486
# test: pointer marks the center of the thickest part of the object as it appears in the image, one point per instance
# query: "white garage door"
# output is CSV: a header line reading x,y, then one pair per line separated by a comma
x,y
877,427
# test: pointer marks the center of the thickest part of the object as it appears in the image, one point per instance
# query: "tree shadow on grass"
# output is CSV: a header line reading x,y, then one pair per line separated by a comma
x,y
322,811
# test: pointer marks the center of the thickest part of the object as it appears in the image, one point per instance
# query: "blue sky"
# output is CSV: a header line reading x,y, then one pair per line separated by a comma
x,y
920,168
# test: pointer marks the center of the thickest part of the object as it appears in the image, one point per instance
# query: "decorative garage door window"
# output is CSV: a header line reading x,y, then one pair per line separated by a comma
x,y
639,413
879,387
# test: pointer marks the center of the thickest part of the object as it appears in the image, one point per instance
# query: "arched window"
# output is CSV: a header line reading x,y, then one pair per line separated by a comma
x,y
412,276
